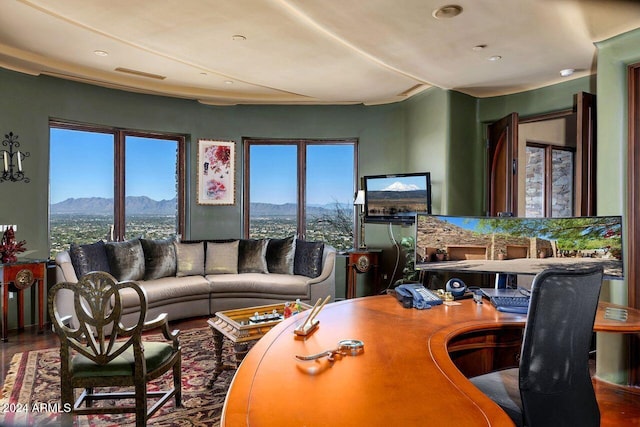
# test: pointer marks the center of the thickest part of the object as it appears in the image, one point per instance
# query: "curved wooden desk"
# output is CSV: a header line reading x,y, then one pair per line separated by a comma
x,y
404,377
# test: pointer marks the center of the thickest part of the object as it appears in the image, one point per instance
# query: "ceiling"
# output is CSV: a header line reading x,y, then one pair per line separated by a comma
x,y
227,52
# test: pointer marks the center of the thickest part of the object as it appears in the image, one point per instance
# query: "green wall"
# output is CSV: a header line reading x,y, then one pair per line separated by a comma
x,y
614,55
438,130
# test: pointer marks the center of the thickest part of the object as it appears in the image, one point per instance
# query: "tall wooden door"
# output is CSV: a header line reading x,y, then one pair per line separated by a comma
x,y
502,166
503,163
585,174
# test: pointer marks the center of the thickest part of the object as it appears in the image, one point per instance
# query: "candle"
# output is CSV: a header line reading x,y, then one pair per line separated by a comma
x,y
19,162
6,163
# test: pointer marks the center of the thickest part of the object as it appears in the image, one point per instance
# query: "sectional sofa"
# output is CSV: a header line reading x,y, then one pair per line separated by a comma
x,y
198,278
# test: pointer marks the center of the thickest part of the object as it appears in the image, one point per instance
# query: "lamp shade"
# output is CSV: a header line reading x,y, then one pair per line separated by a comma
x,y
359,198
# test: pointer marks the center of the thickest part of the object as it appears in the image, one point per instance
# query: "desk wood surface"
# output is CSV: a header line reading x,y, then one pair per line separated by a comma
x,y
404,377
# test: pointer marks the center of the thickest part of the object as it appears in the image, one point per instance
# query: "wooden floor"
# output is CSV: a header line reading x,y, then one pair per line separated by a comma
x,y
619,406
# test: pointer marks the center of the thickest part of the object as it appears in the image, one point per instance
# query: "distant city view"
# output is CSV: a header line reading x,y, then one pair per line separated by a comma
x,y
72,222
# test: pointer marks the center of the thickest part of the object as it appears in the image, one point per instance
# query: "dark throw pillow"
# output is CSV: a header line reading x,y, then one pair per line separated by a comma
x,y
126,259
281,255
190,259
308,259
252,256
91,257
159,258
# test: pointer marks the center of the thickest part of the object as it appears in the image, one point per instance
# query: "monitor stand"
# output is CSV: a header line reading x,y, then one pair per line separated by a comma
x,y
504,281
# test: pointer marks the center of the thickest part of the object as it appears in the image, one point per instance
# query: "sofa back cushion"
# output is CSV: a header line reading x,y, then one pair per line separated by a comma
x,y
281,255
308,258
222,258
190,259
159,258
126,259
90,257
252,256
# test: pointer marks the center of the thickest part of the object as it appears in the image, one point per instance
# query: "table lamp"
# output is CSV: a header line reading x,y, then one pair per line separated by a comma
x,y
359,201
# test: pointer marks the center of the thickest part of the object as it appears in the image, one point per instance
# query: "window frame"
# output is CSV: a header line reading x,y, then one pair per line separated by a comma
x,y
119,137
548,173
301,145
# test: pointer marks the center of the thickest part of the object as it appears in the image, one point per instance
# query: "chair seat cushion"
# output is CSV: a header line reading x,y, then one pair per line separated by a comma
x,y
503,388
155,353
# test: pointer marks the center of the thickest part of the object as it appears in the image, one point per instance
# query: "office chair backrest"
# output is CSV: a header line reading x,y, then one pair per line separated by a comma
x,y
555,384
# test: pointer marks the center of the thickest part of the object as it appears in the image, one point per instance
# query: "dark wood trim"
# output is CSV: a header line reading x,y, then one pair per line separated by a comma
x,y
633,213
547,116
548,171
301,145
119,137
585,162
119,188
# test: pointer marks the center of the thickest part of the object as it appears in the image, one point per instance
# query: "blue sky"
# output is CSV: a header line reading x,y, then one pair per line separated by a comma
x,y
77,171
329,174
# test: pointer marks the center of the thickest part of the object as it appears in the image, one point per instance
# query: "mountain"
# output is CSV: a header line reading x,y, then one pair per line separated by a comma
x,y
134,205
398,186
145,205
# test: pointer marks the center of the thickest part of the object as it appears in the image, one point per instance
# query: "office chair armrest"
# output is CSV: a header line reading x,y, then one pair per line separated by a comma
x,y
162,322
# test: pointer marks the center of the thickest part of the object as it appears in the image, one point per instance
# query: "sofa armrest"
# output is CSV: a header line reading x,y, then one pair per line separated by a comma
x,y
64,268
328,265
325,283
65,273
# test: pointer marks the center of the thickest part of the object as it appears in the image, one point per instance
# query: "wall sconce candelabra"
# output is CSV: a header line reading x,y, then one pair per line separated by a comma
x,y
11,160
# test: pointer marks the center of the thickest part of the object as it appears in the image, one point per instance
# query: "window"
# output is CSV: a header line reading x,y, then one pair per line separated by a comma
x,y
113,184
300,186
549,181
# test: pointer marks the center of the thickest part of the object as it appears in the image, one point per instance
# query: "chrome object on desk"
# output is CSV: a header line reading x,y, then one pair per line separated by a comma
x,y
345,348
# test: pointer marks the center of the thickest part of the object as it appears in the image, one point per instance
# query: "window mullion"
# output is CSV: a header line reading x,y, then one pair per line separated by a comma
x,y
302,188
119,187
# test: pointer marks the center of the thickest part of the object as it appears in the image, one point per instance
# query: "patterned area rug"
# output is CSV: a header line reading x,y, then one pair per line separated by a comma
x,y
31,393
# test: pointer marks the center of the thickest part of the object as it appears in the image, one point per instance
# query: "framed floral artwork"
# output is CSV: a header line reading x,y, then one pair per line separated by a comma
x,y
216,172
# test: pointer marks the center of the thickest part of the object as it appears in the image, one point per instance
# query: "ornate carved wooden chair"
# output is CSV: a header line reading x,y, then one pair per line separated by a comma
x,y
102,352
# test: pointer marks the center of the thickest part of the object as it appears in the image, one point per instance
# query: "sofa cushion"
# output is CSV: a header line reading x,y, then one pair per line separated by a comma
x,y
281,254
222,258
167,290
190,259
90,257
252,256
126,259
258,284
308,258
159,258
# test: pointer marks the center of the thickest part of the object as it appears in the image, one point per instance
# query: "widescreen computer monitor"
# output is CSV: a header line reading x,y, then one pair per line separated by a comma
x,y
512,245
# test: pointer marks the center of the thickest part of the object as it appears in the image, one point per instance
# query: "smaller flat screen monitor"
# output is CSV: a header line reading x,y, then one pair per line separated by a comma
x,y
513,245
396,198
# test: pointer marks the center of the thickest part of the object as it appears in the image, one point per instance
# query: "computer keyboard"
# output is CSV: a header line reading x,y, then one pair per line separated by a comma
x,y
510,301
511,304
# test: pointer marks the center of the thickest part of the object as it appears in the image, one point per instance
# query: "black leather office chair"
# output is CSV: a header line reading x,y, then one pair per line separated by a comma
x,y
552,386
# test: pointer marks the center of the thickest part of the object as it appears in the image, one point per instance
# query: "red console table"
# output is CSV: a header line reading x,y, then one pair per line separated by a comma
x,y
16,277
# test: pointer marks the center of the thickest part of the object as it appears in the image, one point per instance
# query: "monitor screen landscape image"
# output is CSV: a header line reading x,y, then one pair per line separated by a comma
x,y
396,198
518,245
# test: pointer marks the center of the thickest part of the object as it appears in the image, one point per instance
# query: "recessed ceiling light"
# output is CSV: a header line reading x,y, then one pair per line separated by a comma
x,y
228,82
448,11
567,72
238,37
479,47
101,52
494,58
